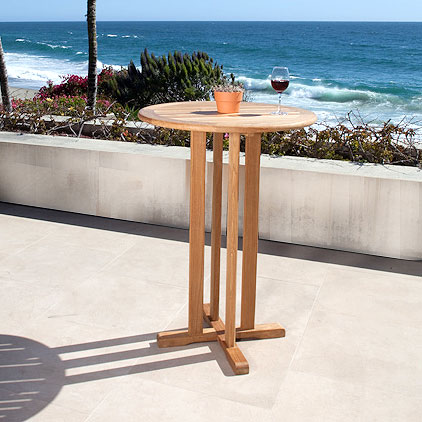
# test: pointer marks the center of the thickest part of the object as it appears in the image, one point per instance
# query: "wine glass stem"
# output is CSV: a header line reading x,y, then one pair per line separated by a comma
x,y
279,103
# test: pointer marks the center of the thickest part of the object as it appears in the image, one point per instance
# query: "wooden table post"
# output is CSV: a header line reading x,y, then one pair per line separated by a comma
x,y
232,238
217,187
197,232
250,230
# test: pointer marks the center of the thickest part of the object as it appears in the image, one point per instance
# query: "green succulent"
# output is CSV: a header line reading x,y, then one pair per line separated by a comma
x,y
174,77
229,85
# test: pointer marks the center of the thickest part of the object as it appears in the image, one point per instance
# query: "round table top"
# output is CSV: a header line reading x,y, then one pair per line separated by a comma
x,y
202,116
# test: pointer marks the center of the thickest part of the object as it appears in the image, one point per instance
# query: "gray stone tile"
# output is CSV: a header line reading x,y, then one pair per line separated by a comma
x,y
31,369
147,400
86,237
158,402
23,302
111,301
51,262
293,270
283,268
309,398
17,233
3,255
374,296
157,260
72,366
362,351
276,301
18,407
95,335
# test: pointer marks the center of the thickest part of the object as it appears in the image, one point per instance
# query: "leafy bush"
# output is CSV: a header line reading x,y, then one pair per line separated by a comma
x,y
60,106
163,79
363,143
38,115
352,139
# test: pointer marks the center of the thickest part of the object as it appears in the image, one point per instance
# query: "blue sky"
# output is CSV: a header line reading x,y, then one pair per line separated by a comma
x,y
355,10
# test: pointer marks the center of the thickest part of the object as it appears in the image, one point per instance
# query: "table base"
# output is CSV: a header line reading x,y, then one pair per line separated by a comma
x,y
226,333
216,332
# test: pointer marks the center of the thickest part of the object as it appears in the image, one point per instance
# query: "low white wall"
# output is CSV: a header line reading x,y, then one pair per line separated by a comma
x,y
339,205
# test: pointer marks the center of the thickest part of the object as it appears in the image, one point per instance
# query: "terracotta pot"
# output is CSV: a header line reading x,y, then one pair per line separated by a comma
x,y
228,102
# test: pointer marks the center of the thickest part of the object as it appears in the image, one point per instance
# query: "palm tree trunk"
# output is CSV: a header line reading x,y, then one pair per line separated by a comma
x,y
4,85
92,64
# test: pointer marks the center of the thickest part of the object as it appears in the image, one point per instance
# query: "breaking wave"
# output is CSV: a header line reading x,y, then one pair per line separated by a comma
x,y
30,71
320,91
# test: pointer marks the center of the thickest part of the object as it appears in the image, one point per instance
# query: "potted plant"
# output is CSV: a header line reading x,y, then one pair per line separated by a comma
x,y
228,95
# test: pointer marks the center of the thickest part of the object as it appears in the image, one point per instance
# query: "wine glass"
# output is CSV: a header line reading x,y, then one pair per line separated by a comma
x,y
280,79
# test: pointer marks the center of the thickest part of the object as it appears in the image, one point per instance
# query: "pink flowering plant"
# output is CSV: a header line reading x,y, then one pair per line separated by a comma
x,y
75,85
72,106
69,98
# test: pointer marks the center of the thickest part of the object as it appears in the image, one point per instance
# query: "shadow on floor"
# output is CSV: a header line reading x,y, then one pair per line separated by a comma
x,y
32,374
265,246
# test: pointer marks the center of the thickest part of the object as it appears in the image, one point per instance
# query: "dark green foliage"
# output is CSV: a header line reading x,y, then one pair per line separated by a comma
x,y
164,79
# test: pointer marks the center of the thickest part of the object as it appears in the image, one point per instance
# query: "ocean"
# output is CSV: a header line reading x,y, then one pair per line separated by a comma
x,y
336,67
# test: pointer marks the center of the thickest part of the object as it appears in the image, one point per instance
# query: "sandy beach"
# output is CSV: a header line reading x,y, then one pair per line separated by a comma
x,y
22,93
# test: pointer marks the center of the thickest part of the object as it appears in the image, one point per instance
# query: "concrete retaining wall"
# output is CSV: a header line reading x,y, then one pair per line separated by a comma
x,y
367,208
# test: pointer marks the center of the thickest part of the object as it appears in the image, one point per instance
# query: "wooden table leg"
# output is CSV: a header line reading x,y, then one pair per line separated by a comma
x,y
248,328
195,332
197,232
216,225
232,237
250,230
227,340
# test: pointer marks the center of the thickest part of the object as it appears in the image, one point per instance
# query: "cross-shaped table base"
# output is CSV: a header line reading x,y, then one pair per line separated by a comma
x,y
216,332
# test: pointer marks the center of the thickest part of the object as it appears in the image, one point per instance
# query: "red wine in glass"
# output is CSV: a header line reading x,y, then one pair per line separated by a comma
x,y
280,85
280,79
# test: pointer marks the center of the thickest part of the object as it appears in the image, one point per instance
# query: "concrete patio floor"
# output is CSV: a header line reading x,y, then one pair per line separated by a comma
x,y
82,298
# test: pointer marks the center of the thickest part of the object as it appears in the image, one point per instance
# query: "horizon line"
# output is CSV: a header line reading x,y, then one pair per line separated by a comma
x,y
192,20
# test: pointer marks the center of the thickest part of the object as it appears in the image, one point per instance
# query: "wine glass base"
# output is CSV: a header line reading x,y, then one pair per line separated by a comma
x,y
280,113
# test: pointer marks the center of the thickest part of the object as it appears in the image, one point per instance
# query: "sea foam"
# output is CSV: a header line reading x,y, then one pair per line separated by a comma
x,y
30,71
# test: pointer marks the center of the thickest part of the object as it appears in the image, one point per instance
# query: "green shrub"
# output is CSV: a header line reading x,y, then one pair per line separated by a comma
x,y
174,77
351,140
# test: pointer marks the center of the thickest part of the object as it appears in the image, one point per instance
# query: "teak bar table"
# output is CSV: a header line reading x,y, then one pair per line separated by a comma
x,y
252,120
